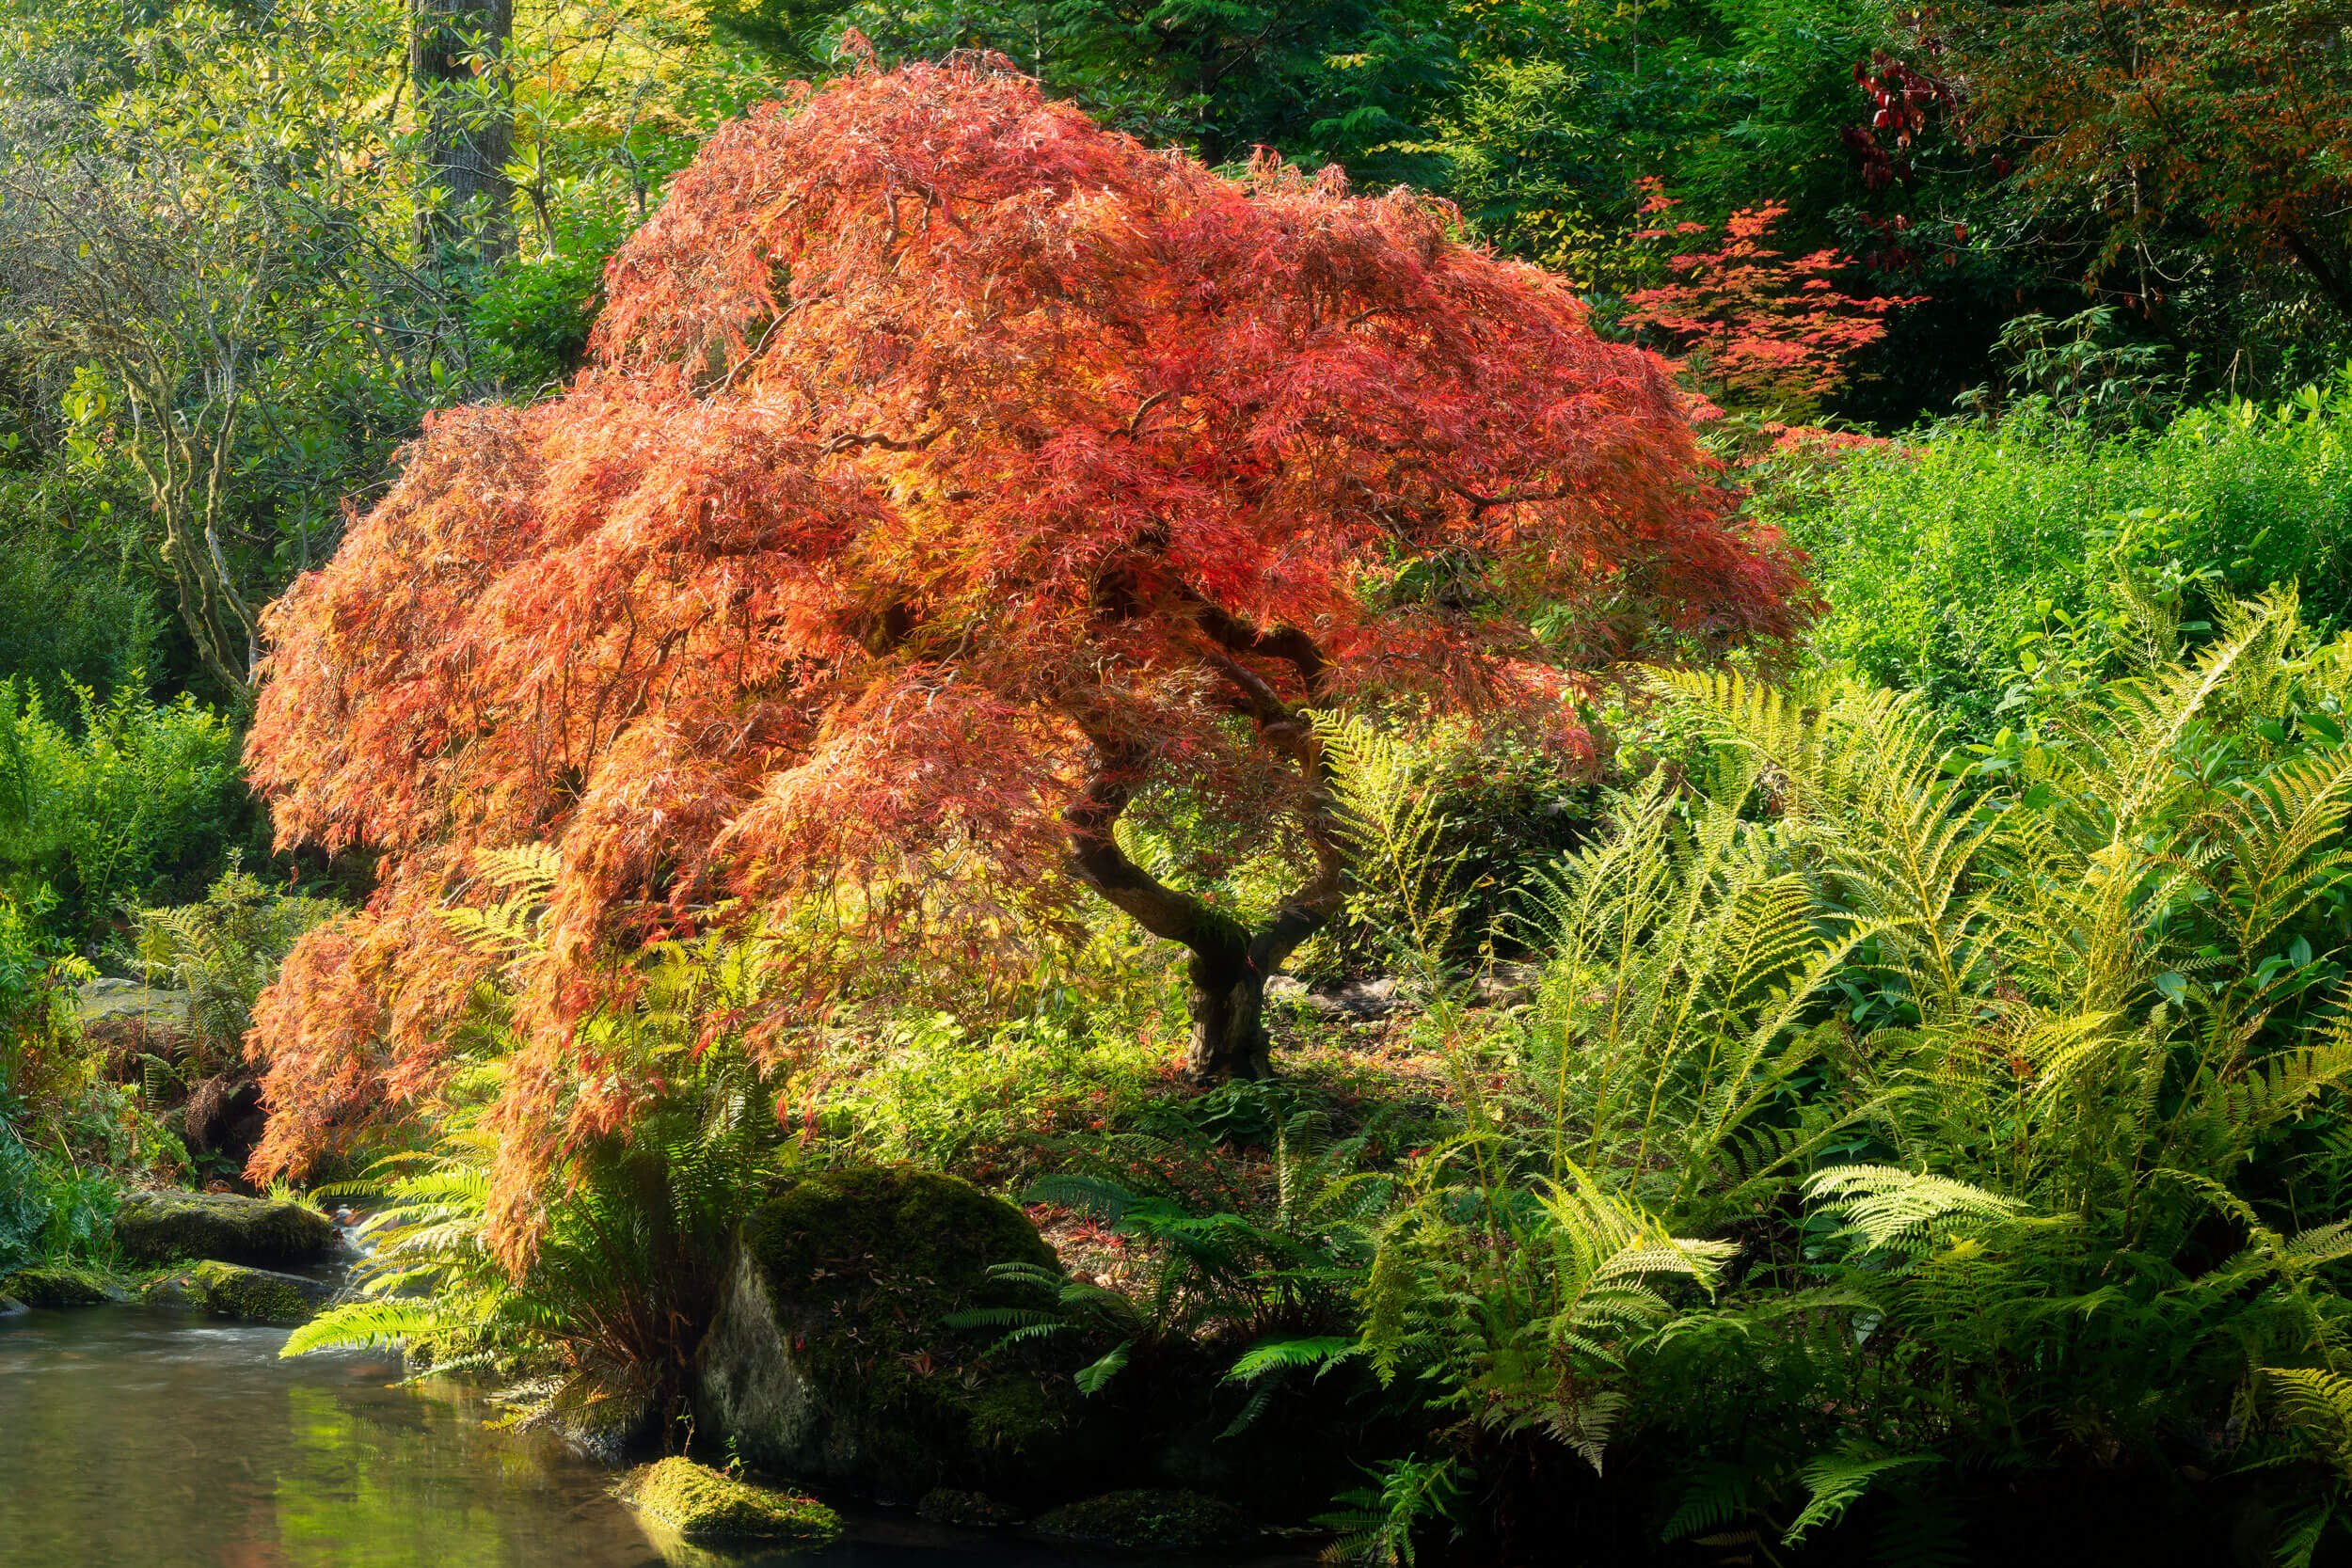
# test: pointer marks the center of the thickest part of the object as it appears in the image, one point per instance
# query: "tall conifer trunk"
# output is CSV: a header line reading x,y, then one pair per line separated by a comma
x,y
456,50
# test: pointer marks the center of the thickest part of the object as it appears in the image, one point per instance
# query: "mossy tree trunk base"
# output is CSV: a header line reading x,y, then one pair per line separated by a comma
x,y
1229,1033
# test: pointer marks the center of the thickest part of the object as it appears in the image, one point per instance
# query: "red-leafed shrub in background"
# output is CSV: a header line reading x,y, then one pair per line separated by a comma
x,y
1751,322
949,469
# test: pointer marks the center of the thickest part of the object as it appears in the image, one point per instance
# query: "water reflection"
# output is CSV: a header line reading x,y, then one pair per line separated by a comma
x,y
133,1435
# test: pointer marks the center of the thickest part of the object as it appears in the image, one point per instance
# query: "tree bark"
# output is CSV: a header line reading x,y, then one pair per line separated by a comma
x,y
469,124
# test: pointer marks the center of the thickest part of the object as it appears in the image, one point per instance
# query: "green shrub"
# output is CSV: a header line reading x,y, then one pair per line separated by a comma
x,y
37,1033
1965,561
986,1101
23,1204
1498,807
64,625
145,799
532,318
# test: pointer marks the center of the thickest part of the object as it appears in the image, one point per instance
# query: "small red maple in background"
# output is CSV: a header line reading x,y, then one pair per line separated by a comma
x,y
1751,321
949,469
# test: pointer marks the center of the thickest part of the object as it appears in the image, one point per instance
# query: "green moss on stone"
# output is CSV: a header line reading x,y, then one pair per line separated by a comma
x,y
700,1504
1164,1521
56,1285
233,1291
157,1227
1011,1417
172,1290
875,1221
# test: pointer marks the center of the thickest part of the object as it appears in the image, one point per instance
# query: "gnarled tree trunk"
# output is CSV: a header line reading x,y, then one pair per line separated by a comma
x,y
1230,963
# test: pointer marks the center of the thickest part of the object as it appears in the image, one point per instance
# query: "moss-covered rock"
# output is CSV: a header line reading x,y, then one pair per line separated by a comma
x,y
700,1504
56,1285
158,1226
256,1295
1160,1521
10,1306
945,1505
172,1290
829,1357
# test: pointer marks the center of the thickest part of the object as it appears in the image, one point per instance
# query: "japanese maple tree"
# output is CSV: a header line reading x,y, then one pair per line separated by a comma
x,y
1750,319
948,470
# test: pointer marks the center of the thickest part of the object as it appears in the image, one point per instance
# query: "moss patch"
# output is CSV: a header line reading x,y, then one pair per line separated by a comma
x,y
700,1504
1161,1521
233,1291
892,1220
58,1285
172,1290
156,1227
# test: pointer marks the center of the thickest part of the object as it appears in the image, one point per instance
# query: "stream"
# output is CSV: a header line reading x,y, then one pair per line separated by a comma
x,y
135,1436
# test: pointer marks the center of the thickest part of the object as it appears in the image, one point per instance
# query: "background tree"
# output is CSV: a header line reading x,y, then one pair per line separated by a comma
x,y
154,282
951,468
457,68
2146,131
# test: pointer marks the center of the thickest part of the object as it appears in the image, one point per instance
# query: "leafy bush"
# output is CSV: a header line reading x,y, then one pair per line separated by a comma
x,y
23,1204
64,625
38,1033
146,796
1498,806
1968,562
532,318
986,1101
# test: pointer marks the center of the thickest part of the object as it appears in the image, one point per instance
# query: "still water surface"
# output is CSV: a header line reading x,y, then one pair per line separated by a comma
x,y
132,1436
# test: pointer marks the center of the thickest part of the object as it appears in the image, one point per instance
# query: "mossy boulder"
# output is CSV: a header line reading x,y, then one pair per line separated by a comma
x,y
829,1357
155,1228
1154,1520
258,1295
56,1285
174,1289
700,1504
10,1306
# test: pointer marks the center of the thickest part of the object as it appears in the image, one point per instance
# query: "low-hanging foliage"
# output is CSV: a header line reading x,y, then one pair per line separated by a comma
x,y
636,1230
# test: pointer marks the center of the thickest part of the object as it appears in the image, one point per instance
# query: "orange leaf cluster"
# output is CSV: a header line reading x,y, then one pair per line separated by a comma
x,y
937,443
1756,321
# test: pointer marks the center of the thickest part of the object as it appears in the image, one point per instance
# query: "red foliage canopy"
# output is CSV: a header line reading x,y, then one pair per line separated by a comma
x,y
948,465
